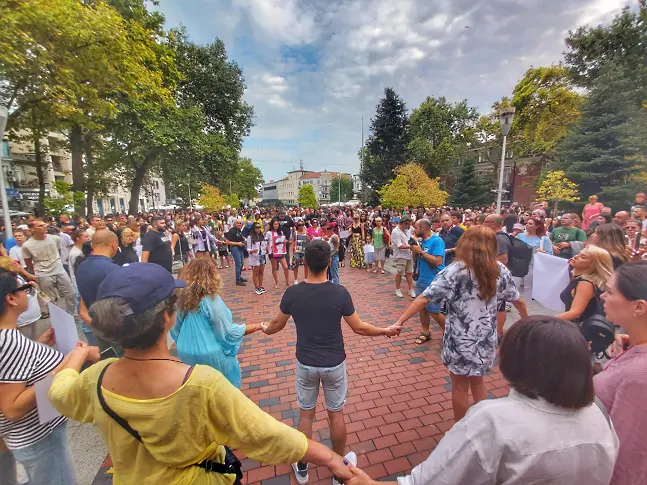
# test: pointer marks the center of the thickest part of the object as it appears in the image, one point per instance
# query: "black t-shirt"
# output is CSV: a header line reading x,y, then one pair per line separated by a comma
x,y
503,243
317,310
159,246
234,235
285,225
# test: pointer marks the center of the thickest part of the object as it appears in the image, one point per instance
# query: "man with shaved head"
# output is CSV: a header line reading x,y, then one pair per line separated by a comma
x,y
92,270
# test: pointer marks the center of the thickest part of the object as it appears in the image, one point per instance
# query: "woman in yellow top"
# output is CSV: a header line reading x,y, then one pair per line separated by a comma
x,y
168,423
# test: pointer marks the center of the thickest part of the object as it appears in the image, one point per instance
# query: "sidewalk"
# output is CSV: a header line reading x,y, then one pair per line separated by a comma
x,y
398,406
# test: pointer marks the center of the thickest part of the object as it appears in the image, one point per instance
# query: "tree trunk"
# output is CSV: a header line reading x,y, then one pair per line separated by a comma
x,y
138,181
38,158
89,191
555,210
78,172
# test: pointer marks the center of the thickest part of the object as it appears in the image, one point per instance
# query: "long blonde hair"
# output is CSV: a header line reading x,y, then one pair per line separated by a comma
x,y
601,269
477,248
203,279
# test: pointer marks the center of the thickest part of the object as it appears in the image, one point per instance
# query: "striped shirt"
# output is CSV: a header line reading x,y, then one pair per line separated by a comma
x,y
24,361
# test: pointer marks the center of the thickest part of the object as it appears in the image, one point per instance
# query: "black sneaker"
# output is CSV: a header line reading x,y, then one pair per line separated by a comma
x,y
301,472
240,283
244,280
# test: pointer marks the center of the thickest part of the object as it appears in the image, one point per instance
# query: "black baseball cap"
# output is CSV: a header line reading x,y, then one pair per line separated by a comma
x,y
141,285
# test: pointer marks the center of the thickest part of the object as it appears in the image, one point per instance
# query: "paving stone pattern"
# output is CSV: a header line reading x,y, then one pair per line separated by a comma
x,y
399,399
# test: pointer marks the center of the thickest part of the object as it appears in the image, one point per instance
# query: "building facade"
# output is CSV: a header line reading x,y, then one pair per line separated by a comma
x,y
270,191
323,183
19,167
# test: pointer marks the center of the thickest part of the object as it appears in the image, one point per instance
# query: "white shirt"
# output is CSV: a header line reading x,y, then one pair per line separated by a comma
x,y
16,254
518,441
66,246
400,238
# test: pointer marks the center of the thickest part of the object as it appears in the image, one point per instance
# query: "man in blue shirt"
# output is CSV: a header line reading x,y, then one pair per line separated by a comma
x,y
430,261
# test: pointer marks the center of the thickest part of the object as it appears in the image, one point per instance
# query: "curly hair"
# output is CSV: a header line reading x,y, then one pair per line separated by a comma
x,y
203,279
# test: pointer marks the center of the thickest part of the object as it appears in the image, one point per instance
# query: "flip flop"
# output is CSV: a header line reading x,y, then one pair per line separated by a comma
x,y
422,338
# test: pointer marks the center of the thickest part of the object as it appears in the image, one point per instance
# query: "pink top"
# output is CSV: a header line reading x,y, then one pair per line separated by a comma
x,y
590,213
622,387
313,233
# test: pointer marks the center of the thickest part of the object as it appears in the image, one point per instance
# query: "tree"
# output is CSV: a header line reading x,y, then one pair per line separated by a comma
x,y
233,201
590,50
211,199
247,179
387,142
546,106
412,187
307,197
471,190
346,189
595,153
556,187
64,199
441,133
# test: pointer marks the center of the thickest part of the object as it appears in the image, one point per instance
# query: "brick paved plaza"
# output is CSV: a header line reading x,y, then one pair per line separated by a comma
x,y
398,405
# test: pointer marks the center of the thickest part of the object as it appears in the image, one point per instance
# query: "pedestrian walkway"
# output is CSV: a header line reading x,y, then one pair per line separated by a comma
x,y
399,400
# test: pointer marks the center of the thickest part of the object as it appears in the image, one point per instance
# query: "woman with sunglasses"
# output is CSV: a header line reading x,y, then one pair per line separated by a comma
x,y
30,316
622,385
42,449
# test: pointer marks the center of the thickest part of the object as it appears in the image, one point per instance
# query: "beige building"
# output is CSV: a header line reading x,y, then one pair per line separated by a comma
x,y
288,188
19,166
323,183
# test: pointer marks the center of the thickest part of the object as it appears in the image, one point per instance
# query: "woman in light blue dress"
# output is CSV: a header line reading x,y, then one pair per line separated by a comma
x,y
204,331
535,237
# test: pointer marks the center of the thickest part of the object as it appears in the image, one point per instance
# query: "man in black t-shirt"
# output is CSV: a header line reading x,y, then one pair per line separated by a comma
x,y
236,242
156,245
317,307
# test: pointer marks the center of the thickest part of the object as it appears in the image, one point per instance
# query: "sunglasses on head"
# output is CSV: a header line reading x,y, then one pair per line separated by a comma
x,y
27,288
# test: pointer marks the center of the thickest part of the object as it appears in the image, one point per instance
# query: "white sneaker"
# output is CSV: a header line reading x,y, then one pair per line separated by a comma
x,y
398,293
350,457
301,475
296,282
412,293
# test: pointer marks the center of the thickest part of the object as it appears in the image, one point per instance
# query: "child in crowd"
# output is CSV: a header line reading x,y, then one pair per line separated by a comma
x,y
369,253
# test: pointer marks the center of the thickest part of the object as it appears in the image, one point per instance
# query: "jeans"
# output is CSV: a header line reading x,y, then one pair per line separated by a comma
x,y
237,253
46,462
333,380
527,285
59,287
333,269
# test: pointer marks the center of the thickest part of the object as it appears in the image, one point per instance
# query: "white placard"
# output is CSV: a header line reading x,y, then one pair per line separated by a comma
x,y
46,412
344,234
64,329
550,277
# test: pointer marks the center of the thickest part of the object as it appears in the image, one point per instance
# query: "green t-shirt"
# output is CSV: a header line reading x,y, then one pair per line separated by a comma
x,y
561,234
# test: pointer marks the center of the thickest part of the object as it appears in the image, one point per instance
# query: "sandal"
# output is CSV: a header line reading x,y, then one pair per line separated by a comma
x,y
423,338
382,271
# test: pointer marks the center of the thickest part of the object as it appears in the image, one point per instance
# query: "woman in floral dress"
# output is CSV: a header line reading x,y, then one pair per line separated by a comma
x,y
357,236
472,286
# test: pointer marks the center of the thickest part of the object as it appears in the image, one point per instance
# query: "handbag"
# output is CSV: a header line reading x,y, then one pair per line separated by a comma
x,y
597,330
231,466
178,264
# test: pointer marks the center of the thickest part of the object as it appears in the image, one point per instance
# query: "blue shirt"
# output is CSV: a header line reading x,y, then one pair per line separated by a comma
x,y
89,275
434,246
535,241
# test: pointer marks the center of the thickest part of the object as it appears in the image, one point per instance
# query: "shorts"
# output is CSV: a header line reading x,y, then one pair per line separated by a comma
x,y
333,380
431,307
261,261
380,254
298,259
404,266
221,252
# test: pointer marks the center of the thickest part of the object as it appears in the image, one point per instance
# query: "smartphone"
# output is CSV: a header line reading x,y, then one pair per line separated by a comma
x,y
637,241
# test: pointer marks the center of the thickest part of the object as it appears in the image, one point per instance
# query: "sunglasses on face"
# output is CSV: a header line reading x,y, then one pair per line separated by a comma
x,y
29,289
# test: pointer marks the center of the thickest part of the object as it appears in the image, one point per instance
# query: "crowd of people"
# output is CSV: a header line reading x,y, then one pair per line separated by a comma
x,y
463,268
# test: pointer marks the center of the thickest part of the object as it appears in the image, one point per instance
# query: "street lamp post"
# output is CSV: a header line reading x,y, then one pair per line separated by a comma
x,y
4,116
505,117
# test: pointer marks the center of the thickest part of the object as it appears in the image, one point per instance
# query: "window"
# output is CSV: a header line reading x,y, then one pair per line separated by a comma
x,y
56,163
5,149
59,178
157,185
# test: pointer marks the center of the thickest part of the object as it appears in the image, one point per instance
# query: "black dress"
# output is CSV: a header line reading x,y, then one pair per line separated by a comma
x,y
567,298
126,255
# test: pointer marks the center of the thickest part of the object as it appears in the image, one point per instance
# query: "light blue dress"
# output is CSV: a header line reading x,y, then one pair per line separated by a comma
x,y
208,336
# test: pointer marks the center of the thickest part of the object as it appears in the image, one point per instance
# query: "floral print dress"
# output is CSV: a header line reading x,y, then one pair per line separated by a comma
x,y
470,339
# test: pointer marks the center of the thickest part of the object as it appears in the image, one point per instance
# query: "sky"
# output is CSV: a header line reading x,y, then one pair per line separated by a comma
x,y
314,68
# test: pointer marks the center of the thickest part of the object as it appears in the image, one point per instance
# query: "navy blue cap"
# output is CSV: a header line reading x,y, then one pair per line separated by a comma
x,y
142,285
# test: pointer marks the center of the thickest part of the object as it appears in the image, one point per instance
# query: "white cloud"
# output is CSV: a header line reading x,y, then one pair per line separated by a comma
x,y
315,67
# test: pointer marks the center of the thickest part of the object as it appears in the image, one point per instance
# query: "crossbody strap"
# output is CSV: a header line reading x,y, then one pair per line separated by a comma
x,y
603,410
120,421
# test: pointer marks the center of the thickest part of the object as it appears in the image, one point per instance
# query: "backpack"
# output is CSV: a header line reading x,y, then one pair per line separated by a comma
x,y
519,257
597,330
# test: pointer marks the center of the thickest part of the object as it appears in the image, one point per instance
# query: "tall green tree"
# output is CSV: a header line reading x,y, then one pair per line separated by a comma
x,y
472,190
387,143
341,186
546,106
595,154
307,197
441,133
247,179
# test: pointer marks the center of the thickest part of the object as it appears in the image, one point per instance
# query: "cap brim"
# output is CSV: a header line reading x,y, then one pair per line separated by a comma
x,y
180,283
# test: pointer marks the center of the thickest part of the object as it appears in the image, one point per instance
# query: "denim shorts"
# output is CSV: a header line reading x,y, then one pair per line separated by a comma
x,y
334,382
431,307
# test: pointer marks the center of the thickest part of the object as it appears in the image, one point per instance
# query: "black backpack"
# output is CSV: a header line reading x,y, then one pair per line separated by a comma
x,y
519,257
597,330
